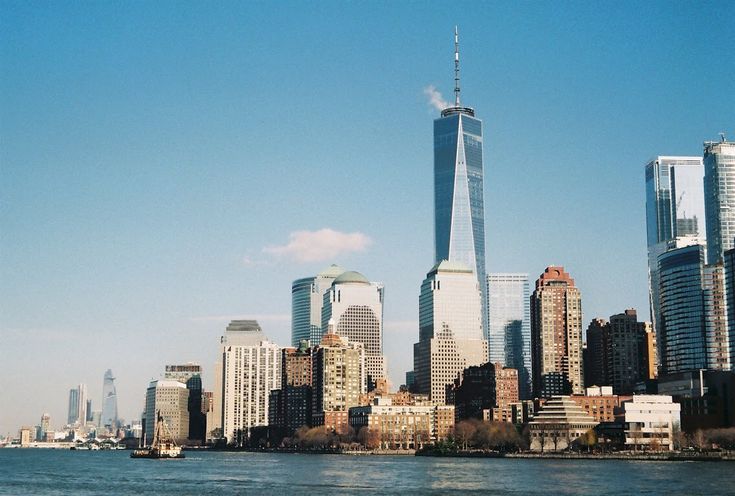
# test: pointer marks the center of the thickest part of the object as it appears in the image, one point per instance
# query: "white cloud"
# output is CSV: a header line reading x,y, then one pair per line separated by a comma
x,y
436,99
321,245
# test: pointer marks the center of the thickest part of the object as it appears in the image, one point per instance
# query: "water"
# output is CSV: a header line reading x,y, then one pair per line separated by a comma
x,y
56,472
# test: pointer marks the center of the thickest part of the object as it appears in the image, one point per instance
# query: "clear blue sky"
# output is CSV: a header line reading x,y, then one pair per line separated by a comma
x,y
150,151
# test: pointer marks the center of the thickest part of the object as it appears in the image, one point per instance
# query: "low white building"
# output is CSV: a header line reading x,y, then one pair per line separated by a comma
x,y
650,420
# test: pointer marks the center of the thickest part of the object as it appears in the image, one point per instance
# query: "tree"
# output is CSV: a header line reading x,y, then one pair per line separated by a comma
x,y
464,431
370,438
588,440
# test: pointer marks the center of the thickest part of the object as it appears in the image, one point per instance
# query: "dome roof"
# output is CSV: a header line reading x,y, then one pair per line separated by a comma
x,y
333,270
351,277
447,266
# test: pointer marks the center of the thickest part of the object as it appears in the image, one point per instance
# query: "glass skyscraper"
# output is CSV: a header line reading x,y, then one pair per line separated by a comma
x,y
307,296
109,401
719,197
509,325
459,212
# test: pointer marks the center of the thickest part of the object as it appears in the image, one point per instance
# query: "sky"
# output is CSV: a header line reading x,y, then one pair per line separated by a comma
x,y
168,166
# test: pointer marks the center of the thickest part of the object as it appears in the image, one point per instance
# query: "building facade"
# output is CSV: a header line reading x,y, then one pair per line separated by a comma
x,y
450,329
171,399
77,412
109,401
650,421
251,368
509,325
307,298
556,335
356,307
559,424
719,197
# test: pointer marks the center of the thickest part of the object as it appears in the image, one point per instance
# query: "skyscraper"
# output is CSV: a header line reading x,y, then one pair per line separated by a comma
x,y
170,398
450,329
459,212
307,298
556,335
77,405
356,307
251,368
109,401
719,197
509,325
675,214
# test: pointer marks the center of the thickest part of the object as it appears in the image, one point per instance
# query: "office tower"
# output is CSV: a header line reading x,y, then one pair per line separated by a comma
x,y
338,379
595,354
719,197
195,407
214,410
307,297
509,325
629,352
182,373
682,338
77,405
675,214
169,398
296,385
483,391
109,401
356,306
718,339
729,273
459,212
556,335
251,368
90,412
44,428
450,329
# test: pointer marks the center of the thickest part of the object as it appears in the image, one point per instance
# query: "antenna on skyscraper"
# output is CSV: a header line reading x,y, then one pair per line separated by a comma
x,y
456,66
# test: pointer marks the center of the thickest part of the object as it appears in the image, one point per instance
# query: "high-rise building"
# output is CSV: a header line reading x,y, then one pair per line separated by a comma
x,y
509,325
44,428
719,197
182,373
109,401
338,379
556,335
251,368
77,405
169,398
307,297
356,307
595,353
214,408
450,329
675,215
629,352
293,399
196,408
459,212
729,275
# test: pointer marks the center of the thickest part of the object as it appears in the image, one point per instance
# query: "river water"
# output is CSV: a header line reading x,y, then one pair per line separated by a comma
x,y
57,472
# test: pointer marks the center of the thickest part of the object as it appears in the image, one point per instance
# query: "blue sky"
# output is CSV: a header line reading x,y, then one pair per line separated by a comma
x,y
154,156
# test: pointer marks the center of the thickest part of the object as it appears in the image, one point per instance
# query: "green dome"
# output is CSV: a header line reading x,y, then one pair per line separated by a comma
x,y
351,277
333,270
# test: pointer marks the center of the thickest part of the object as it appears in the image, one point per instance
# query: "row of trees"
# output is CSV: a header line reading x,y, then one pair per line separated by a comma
x,y
486,435
323,438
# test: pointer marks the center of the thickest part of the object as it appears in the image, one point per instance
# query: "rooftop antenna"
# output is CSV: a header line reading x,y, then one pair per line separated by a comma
x,y
456,67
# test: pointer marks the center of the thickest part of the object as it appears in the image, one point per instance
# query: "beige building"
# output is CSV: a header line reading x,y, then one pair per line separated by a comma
x,y
556,335
450,329
650,421
338,370
600,402
171,399
404,426
251,368
559,423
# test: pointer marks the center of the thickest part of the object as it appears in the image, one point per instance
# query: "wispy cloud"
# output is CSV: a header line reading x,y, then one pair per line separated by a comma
x,y
436,99
321,245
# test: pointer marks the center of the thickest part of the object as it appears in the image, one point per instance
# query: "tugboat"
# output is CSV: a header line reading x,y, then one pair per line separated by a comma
x,y
163,445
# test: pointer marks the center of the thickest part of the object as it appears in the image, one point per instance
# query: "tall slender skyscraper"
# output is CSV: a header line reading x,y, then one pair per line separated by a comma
x,y
556,335
459,212
719,197
78,405
509,325
109,401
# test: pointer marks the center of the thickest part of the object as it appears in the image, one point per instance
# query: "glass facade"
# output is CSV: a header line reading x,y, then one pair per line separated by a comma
x,y
682,336
719,194
307,296
509,325
459,218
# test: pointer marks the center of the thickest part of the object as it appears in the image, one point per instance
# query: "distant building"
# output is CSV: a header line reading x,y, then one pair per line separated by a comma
x,y
338,379
170,398
403,426
559,424
719,197
356,307
292,401
650,421
509,325
251,368
45,427
77,405
556,335
307,298
214,406
182,373
620,352
197,411
450,329
109,402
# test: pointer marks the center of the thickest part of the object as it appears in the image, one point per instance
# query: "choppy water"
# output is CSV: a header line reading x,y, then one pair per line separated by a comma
x,y
52,472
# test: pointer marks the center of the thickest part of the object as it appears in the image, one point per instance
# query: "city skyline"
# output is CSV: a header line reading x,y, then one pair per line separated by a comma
x,y
137,207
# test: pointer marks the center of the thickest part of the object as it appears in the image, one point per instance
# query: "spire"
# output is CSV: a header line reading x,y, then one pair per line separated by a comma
x,y
456,67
